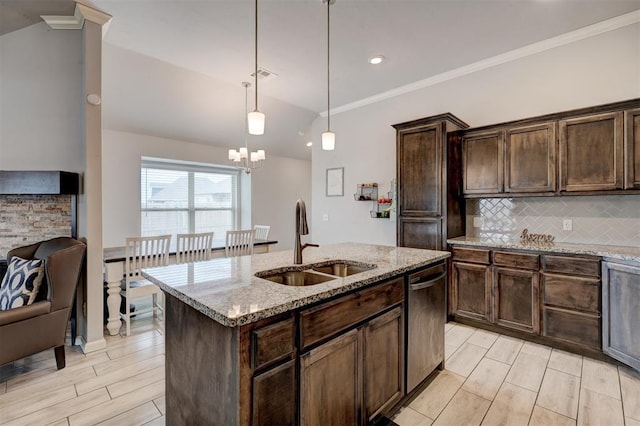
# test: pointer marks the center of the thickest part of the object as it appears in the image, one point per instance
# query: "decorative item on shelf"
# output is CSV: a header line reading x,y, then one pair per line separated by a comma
x,y
328,137
366,192
256,118
382,207
242,158
526,237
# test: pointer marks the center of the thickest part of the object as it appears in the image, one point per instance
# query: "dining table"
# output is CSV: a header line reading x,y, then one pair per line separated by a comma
x,y
113,260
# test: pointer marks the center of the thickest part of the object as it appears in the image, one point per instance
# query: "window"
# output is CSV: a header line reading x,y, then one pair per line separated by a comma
x,y
185,198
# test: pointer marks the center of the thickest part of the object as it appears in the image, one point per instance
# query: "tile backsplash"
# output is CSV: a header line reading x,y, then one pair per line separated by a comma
x,y
26,219
603,219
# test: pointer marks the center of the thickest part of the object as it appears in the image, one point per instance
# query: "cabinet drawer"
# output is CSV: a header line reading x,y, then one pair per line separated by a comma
x,y
471,255
571,292
272,343
325,320
571,326
515,260
571,265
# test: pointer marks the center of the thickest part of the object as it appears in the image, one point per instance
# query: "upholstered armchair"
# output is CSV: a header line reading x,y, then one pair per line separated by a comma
x,y
42,325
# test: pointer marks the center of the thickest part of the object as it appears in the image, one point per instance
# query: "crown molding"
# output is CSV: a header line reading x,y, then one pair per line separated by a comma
x,y
531,49
81,13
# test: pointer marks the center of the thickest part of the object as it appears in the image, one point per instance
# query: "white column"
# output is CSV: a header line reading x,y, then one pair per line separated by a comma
x,y
113,274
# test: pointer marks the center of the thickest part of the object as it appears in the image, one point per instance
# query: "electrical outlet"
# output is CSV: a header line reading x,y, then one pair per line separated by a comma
x,y
325,217
478,221
567,224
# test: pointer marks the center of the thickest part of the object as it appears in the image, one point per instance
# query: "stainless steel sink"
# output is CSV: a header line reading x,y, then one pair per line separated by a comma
x,y
296,278
343,268
316,273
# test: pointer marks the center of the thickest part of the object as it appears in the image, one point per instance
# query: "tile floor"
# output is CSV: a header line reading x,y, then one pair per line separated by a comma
x,y
492,379
489,379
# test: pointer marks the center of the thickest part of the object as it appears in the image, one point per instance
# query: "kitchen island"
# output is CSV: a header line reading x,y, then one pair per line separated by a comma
x,y
245,350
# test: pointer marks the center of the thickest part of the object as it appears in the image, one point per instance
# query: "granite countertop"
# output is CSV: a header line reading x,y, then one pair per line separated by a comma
x,y
605,251
226,290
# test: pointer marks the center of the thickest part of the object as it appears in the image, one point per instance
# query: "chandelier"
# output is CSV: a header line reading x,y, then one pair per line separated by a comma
x,y
242,158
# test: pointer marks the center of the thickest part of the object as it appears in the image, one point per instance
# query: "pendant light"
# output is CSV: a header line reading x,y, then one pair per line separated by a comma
x,y
328,137
242,158
256,118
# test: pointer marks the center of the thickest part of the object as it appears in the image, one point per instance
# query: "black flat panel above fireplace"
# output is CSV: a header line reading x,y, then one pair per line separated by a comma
x,y
39,182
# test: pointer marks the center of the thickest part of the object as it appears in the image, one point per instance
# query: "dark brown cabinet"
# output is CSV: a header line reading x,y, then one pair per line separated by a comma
x,y
591,152
515,302
530,158
632,143
621,312
275,408
428,173
470,285
482,162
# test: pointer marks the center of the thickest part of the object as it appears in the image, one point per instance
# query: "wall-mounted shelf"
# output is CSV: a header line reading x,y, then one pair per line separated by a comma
x,y
366,192
382,207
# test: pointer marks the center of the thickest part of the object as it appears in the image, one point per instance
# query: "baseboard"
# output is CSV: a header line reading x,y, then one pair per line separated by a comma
x,y
92,346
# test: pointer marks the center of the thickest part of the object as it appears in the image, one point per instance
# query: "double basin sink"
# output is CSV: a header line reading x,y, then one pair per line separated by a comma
x,y
315,273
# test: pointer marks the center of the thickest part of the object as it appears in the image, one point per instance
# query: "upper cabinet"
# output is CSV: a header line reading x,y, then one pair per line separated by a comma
x,y
591,151
632,144
587,150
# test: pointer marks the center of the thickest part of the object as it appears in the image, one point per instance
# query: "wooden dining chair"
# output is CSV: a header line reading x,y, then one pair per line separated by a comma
x,y
262,231
239,243
140,253
194,247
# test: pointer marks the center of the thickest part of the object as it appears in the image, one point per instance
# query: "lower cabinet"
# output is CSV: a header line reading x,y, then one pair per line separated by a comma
x,y
621,312
275,408
470,291
516,299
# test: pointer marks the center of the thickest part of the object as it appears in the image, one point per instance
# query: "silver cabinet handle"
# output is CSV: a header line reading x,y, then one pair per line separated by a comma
x,y
417,284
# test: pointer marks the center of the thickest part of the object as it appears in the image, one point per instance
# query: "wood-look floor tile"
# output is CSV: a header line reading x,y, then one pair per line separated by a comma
x,y
448,326
45,385
598,409
465,359
132,383
124,350
464,409
160,421
630,387
409,417
527,371
487,378
3,387
161,403
541,351
64,409
543,417
565,362
628,421
483,338
512,406
457,335
600,377
505,349
117,364
120,374
52,397
437,395
560,392
449,350
136,416
61,422
118,405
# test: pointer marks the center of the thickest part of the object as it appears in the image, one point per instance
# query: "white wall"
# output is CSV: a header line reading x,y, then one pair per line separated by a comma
x,y
274,187
41,103
594,71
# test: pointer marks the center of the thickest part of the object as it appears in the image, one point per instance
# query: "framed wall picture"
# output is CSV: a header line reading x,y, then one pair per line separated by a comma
x,y
335,182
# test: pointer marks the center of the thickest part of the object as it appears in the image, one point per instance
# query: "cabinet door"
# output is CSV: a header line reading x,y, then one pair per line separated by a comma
x,y
482,162
383,352
330,383
420,162
424,233
621,313
530,159
516,301
632,138
591,152
275,408
470,291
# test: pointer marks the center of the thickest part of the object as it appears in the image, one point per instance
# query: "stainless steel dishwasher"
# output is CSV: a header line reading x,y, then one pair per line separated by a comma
x,y
425,317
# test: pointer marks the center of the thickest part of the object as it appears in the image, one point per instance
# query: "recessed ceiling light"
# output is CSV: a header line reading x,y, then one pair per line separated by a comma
x,y
375,60
309,143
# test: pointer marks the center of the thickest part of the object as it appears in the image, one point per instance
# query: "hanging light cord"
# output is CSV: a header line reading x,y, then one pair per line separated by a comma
x,y
256,56
246,111
328,68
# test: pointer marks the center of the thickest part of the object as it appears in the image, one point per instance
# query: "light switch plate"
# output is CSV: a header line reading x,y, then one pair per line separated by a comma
x,y
325,217
478,221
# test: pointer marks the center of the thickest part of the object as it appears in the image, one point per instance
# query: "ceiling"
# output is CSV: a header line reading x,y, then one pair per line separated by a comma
x,y
173,68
